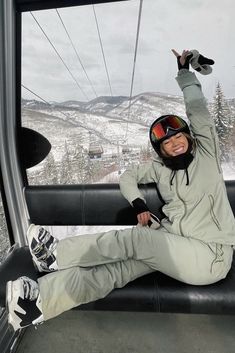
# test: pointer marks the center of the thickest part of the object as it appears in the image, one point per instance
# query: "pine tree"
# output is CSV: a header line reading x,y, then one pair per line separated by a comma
x,y
81,165
4,239
223,123
66,175
35,177
50,174
145,153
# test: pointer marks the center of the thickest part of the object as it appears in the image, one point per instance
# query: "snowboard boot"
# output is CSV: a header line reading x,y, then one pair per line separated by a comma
x,y
42,246
23,303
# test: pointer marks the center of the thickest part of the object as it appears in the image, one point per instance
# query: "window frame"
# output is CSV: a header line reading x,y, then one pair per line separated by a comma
x,y
33,5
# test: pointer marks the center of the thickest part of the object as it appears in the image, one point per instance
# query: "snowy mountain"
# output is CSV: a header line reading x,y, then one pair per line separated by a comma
x,y
110,121
110,124
143,108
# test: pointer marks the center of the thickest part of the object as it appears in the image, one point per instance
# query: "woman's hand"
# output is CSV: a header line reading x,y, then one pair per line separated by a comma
x,y
183,59
183,56
144,218
198,62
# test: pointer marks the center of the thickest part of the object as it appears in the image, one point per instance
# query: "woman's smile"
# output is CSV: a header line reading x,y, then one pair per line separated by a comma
x,y
175,145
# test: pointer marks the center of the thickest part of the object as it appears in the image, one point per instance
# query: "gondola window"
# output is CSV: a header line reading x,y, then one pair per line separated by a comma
x,y
95,77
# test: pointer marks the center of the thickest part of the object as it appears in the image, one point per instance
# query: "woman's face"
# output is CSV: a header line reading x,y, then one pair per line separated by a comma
x,y
175,145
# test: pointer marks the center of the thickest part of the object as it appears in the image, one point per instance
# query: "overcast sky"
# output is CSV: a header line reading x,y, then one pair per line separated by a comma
x,y
206,25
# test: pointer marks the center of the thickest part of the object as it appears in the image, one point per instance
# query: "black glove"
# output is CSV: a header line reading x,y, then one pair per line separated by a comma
x,y
186,64
139,206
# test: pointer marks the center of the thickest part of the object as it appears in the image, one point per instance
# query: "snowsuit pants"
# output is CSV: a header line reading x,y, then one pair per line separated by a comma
x,y
92,265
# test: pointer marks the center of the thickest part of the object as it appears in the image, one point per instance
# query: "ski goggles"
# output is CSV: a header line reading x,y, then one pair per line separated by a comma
x,y
167,126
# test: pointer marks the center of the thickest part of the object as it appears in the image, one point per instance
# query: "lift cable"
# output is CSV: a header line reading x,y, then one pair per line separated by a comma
x,y
59,56
102,49
69,118
134,64
35,94
50,104
76,52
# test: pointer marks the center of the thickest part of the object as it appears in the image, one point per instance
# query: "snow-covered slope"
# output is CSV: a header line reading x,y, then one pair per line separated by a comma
x,y
113,120
110,122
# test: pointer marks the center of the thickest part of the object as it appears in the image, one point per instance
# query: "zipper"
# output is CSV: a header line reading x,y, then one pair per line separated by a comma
x,y
185,208
211,199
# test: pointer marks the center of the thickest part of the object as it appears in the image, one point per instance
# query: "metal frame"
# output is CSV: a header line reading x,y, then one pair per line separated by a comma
x,y
8,339
10,166
32,5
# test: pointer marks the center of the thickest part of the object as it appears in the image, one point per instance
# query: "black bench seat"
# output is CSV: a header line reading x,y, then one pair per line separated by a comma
x,y
156,292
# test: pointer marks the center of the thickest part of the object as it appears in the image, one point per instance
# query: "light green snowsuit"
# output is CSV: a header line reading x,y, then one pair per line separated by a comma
x,y
193,245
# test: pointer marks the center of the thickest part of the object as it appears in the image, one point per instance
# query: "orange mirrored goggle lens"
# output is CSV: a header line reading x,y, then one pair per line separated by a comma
x,y
160,130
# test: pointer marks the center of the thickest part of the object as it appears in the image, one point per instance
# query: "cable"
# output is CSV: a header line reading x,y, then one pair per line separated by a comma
x,y
59,55
76,123
51,105
73,46
35,94
102,49
134,63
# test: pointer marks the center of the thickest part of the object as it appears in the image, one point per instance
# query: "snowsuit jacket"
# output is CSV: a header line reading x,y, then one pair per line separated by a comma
x,y
201,209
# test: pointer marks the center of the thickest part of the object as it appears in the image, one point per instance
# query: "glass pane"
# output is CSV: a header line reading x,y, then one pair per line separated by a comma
x,y
86,91
4,238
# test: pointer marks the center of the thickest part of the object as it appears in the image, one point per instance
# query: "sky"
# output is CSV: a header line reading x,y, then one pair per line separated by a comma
x,y
205,25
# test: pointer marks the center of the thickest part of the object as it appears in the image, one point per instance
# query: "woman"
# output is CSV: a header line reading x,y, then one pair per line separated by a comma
x,y
193,243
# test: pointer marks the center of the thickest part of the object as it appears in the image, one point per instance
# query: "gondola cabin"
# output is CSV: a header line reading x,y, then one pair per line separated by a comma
x,y
91,77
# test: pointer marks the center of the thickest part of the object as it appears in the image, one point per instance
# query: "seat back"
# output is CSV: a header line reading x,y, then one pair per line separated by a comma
x,y
95,204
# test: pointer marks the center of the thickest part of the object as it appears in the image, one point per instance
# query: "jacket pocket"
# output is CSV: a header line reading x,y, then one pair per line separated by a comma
x,y
212,212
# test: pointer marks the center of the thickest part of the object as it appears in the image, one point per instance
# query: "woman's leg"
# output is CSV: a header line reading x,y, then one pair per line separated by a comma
x,y
141,251
183,258
65,289
197,263
186,259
